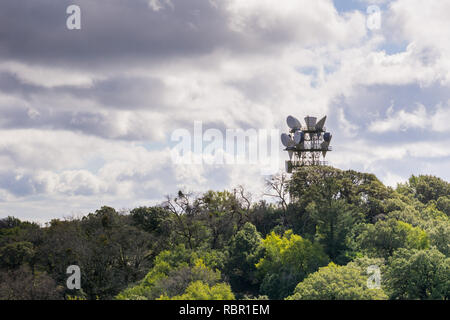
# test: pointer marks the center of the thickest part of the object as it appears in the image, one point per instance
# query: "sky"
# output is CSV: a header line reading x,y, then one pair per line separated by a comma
x,y
87,116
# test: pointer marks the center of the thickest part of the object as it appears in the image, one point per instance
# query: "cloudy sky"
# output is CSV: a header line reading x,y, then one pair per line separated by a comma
x,y
86,116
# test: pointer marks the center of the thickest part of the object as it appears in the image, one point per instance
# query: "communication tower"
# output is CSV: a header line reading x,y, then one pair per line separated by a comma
x,y
306,145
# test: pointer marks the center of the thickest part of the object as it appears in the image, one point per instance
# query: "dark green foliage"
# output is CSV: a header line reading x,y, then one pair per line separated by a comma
x,y
15,254
324,184
418,274
425,188
443,204
245,251
334,221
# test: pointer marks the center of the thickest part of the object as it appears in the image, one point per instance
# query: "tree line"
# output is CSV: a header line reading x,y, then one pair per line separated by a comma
x,y
316,240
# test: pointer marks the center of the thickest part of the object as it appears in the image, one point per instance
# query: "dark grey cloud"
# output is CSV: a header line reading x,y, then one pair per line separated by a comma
x,y
50,111
120,92
118,33
36,30
126,32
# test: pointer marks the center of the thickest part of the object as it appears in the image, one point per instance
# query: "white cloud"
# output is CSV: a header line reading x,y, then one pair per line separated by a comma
x,y
419,118
306,22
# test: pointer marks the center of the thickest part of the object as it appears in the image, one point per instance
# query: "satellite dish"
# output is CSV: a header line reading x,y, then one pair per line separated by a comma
x,y
299,137
310,122
321,123
293,123
286,140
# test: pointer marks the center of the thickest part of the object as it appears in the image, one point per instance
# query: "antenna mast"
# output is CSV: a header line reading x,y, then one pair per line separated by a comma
x,y
306,145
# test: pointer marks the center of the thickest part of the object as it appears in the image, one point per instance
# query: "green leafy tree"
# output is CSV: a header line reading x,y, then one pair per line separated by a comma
x,y
186,221
439,234
15,254
323,184
384,237
265,217
245,251
287,260
418,274
443,204
199,290
334,221
223,214
425,188
172,273
335,282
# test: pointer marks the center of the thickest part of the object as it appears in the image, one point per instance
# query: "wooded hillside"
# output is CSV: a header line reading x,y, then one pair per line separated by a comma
x,y
314,242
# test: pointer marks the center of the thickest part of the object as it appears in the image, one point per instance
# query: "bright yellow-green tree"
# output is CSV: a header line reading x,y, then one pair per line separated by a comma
x,y
287,260
199,290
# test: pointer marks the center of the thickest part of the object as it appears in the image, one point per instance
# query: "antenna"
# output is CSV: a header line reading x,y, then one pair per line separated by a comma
x,y
306,146
299,137
321,123
293,123
286,140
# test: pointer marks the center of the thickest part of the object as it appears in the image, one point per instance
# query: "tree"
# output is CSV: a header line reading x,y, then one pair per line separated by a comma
x,y
153,220
186,225
323,184
222,214
443,204
334,220
418,274
245,251
426,188
278,188
23,284
172,273
265,216
15,254
386,236
439,234
198,290
287,260
335,282
109,252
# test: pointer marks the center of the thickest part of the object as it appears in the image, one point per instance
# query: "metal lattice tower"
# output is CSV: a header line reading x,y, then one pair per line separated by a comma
x,y
306,145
